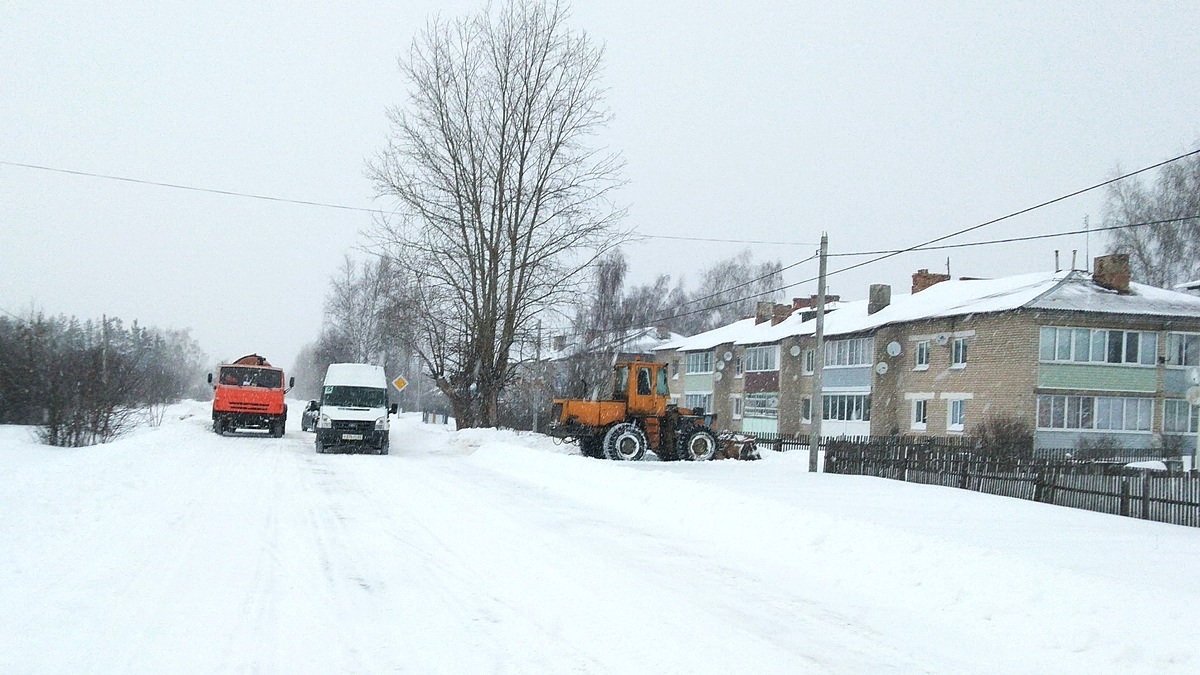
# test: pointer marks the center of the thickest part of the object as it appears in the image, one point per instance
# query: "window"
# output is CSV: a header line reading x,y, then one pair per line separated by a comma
x,y
1088,345
810,361
1105,413
765,406
738,367
735,402
922,355
806,410
847,407
920,413
762,359
852,352
699,362
958,357
663,388
694,401
1183,349
1179,417
956,415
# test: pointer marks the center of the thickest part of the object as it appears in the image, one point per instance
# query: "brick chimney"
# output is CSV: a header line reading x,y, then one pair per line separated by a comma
x,y
880,297
811,301
779,313
763,311
924,279
662,332
1112,272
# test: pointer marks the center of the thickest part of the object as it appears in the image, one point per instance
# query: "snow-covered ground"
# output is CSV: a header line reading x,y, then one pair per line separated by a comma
x,y
175,550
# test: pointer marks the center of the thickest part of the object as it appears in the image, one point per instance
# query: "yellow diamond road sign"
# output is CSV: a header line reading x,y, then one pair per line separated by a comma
x,y
399,383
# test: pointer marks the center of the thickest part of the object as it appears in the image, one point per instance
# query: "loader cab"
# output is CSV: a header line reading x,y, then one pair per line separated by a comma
x,y
643,387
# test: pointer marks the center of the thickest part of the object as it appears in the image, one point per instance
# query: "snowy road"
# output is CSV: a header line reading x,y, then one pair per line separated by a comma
x,y
176,550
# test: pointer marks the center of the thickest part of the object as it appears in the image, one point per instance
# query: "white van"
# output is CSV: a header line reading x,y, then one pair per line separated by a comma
x,y
354,410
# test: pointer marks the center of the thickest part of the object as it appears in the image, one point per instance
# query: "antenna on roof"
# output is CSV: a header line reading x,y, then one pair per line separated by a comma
x,y
1073,252
1087,243
1056,268
947,265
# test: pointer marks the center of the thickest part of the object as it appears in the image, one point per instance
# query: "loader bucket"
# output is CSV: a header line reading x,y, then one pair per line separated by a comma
x,y
736,446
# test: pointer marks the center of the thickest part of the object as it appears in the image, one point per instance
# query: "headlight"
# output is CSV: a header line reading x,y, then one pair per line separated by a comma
x,y
324,422
381,424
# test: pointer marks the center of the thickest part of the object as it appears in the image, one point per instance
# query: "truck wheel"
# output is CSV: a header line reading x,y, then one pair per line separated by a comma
x,y
384,450
320,447
277,429
625,442
697,444
592,447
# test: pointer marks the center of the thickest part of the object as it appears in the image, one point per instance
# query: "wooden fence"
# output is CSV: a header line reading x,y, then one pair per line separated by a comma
x,y
1107,486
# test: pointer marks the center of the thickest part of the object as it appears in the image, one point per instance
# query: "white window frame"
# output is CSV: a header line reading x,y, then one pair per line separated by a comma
x,y
758,405
919,418
705,400
1066,344
921,355
806,415
739,366
850,353
695,361
958,353
956,409
845,406
809,362
735,405
1180,349
1173,410
1099,412
761,359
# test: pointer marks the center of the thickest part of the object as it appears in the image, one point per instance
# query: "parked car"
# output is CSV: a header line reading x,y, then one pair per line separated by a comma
x,y
308,421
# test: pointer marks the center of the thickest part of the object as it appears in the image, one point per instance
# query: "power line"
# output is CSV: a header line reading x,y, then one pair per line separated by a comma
x,y
193,188
943,237
727,241
1028,238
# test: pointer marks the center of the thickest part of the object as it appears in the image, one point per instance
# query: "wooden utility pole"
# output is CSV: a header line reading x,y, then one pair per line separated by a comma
x,y
817,409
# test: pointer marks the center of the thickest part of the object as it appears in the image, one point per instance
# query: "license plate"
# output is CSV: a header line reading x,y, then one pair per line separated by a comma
x,y
351,437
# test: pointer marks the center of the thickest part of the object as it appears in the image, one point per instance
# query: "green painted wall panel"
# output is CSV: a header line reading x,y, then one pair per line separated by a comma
x,y
759,425
697,383
1098,377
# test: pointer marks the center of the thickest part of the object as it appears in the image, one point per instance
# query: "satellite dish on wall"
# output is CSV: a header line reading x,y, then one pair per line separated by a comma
x,y
795,350
727,356
942,339
1193,395
893,348
881,367
720,365
717,377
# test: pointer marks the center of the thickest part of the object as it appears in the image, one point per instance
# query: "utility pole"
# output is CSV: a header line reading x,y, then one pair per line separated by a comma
x,y
817,411
537,398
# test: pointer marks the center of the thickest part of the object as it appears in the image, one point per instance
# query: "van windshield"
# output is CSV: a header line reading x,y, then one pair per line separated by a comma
x,y
238,376
355,397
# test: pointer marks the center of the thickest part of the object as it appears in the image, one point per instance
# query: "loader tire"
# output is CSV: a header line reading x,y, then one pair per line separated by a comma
x,y
592,447
696,444
625,442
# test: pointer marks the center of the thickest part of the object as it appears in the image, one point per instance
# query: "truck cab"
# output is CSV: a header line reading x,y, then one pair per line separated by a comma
x,y
248,394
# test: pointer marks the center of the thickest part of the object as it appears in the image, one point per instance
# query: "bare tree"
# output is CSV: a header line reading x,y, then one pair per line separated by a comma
x,y
366,310
502,197
1163,254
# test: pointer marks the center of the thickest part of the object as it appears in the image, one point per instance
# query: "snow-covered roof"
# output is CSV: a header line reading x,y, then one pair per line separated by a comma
x,y
355,375
1065,291
1189,285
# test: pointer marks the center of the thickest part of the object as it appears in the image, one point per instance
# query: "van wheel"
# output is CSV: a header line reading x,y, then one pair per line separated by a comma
x,y
320,447
625,442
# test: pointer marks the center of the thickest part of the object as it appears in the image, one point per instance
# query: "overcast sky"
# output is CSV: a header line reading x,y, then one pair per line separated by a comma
x,y
885,124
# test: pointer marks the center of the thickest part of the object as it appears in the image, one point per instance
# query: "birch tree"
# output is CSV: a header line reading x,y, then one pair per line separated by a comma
x,y
1162,254
503,193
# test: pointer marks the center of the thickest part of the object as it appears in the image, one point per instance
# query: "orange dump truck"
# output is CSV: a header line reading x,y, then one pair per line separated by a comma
x,y
248,394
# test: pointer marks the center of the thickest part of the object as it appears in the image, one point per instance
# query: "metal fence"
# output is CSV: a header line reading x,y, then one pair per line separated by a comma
x,y
1105,485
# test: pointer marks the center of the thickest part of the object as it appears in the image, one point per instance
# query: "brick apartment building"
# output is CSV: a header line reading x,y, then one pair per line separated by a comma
x,y
1079,357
